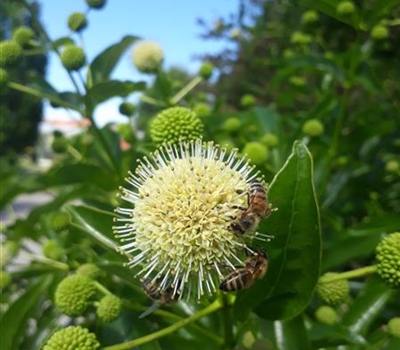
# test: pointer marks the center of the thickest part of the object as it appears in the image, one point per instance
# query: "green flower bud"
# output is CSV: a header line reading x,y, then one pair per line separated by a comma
x,y
309,16
52,250
392,166
334,292
300,38
109,308
297,81
206,70
11,52
269,140
326,315
202,109
388,256
77,21
7,251
379,32
393,327
90,270
232,124
72,338
345,7
127,108
313,127
23,36
5,279
73,295
257,152
3,78
247,101
73,57
96,4
175,124
148,57
60,221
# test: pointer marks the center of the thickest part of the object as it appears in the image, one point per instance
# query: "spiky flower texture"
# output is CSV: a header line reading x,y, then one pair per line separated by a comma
x,y
184,197
72,337
388,256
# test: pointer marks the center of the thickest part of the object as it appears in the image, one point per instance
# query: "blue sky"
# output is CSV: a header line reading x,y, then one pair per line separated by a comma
x,y
171,23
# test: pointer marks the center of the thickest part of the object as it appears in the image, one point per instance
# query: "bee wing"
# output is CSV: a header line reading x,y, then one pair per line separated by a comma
x,y
150,310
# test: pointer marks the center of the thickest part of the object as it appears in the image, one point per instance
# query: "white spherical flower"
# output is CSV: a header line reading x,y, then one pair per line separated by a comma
x,y
148,57
184,198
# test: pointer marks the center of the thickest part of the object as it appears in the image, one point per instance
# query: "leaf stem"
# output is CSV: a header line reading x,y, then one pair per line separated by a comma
x,y
363,271
168,330
227,302
186,89
54,263
101,288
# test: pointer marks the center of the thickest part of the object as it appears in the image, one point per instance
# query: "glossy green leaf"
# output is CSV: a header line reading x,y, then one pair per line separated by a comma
x,y
15,320
103,65
108,89
368,306
97,223
291,334
295,252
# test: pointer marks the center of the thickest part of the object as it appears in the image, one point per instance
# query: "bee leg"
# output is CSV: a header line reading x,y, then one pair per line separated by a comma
x,y
240,208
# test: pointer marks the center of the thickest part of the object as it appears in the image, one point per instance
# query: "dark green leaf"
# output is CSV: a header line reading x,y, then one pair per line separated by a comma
x,y
103,65
291,334
295,252
15,320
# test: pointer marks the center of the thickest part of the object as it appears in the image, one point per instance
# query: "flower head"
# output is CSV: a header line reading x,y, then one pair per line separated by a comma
x,y
185,198
77,21
388,256
313,127
379,32
73,57
109,308
23,35
90,270
72,337
334,292
96,4
326,314
11,52
394,327
148,57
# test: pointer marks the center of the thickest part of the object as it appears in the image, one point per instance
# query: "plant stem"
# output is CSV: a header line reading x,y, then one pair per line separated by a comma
x,y
152,101
54,263
186,89
101,288
168,330
227,302
363,271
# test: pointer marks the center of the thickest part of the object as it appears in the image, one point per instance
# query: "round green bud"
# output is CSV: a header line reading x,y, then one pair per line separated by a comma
x,y
96,4
257,152
77,21
202,109
388,256
52,250
326,315
175,124
11,52
392,166
345,7
73,57
247,101
90,270
332,293
232,124
3,77
313,127
393,327
72,337
109,308
206,70
309,16
300,38
148,57
127,108
297,81
269,140
379,32
74,294
23,36
5,279
60,221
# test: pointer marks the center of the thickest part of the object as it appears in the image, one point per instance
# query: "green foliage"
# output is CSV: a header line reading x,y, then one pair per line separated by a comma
x,y
311,96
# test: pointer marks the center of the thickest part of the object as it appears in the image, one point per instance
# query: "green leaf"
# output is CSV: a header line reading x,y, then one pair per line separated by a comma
x,y
56,44
103,91
97,223
291,334
368,306
103,64
295,253
17,315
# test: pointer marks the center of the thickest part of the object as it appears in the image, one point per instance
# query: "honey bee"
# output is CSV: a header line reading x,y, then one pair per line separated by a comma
x,y
255,268
258,208
160,297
